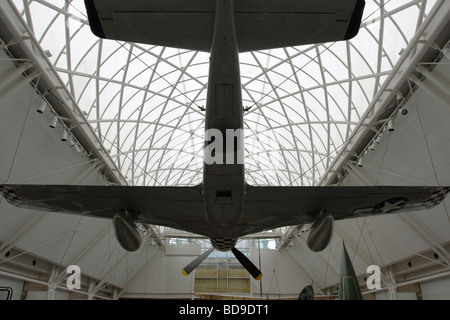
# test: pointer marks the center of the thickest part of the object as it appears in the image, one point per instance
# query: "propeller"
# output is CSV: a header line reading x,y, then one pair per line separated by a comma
x,y
246,263
194,264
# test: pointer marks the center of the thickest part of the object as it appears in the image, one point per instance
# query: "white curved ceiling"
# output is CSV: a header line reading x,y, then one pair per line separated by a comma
x,y
144,102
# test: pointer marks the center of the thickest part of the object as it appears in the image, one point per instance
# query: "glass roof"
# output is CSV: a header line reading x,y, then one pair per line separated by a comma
x,y
144,102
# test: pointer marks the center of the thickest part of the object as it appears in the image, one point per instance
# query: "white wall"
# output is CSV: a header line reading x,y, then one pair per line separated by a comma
x,y
162,277
17,287
42,295
438,289
282,277
384,295
14,284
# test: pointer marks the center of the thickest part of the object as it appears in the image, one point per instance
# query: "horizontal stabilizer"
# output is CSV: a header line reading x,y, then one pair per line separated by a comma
x,y
260,24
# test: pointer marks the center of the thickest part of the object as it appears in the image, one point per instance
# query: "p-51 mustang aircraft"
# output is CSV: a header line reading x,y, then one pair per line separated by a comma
x,y
224,207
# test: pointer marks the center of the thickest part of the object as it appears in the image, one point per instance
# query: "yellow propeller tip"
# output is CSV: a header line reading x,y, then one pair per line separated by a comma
x,y
184,272
259,277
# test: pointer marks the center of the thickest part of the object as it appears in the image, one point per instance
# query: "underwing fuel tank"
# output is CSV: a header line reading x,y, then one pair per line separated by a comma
x,y
321,232
126,232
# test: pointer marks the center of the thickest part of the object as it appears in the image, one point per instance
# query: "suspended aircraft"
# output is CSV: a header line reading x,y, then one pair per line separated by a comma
x,y
224,206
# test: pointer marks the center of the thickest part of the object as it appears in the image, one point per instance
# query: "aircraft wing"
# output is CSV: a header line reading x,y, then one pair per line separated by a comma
x,y
283,206
176,207
260,24
264,207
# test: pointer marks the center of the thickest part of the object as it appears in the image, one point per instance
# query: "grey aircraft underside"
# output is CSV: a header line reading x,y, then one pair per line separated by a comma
x,y
224,207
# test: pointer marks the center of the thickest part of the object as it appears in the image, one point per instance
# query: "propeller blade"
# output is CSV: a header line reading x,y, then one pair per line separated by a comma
x,y
194,264
247,264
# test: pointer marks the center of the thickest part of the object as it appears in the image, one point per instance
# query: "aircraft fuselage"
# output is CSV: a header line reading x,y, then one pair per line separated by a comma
x,y
223,174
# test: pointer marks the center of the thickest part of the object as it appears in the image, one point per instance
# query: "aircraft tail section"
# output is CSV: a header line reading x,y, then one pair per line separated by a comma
x,y
260,24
